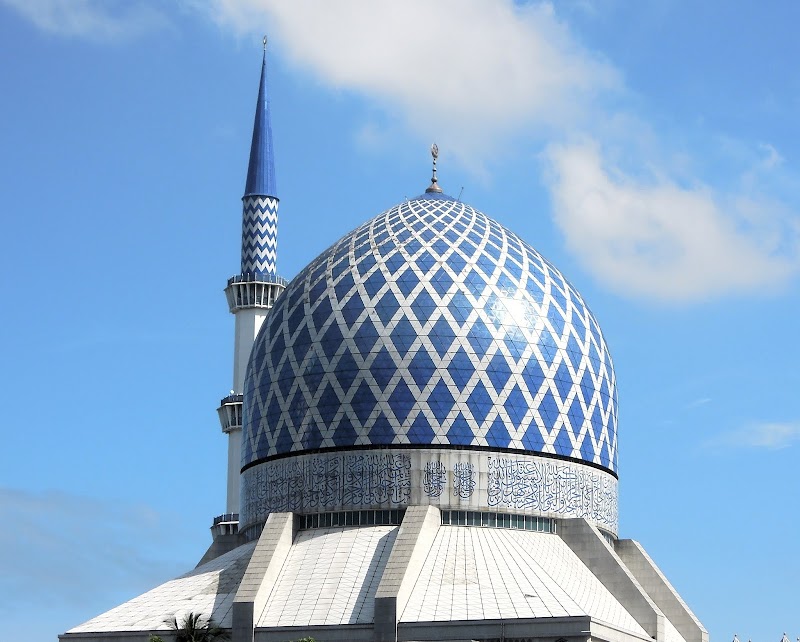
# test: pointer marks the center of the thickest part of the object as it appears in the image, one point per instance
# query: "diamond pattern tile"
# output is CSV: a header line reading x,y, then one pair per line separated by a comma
x,y
431,324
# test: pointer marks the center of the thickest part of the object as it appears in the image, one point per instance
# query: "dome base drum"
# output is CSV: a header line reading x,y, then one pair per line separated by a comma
x,y
452,479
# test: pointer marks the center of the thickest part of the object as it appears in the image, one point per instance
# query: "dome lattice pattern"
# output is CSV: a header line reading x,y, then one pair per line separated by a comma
x,y
431,325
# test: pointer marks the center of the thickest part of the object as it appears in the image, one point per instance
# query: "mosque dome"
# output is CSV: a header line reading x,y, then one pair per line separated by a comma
x,y
431,325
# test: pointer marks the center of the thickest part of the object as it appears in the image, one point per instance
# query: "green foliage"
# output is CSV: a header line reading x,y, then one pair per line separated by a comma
x,y
195,628
155,638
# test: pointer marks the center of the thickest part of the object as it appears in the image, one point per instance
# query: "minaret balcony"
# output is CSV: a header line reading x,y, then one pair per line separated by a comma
x,y
227,524
230,413
253,291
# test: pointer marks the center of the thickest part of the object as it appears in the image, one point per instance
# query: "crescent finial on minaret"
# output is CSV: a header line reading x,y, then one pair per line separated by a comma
x,y
265,43
434,186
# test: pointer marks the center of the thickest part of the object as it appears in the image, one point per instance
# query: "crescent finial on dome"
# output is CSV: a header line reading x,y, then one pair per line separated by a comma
x,y
434,186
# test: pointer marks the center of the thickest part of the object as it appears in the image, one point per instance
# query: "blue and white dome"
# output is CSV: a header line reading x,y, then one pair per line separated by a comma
x,y
431,325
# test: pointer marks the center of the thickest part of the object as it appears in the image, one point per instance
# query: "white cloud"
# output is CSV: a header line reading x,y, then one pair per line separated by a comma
x,y
461,71
765,435
97,20
480,75
660,240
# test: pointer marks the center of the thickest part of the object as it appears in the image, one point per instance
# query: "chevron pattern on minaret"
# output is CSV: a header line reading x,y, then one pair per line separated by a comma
x,y
259,235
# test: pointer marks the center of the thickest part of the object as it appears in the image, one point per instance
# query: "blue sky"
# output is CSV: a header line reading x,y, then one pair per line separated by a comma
x,y
649,150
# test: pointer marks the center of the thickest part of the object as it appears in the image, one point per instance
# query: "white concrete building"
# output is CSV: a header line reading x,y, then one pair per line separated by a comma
x,y
422,446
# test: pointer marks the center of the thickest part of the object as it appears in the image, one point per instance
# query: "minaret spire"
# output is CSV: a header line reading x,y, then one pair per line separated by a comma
x,y
251,293
260,200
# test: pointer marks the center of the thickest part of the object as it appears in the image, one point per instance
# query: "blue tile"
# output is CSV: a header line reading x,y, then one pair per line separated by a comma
x,y
401,401
284,442
321,313
339,267
479,402
604,394
499,372
344,286
461,368
374,283
387,307
345,434
332,341
587,385
273,411
574,351
480,337
286,379
579,324
492,251
556,319
597,424
312,437
365,264
440,247
475,283
516,406
423,306
442,336
532,375
426,261
294,294
441,401
346,370
352,310
422,368
403,336
460,434
313,375
497,436
394,263
298,408
296,319
605,458
328,405
383,368
532,439
563,381
587,449
576,414
363,402
407,281
548,410
562,444
514,270
318,290
460,308
456,263
381,432
441,281
365,337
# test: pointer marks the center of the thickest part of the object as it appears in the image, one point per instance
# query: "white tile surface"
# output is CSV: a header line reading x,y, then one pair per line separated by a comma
x,y
208,590
489,573
330,577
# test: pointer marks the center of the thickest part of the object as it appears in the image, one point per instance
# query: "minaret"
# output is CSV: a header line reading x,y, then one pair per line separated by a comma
x,y
251,293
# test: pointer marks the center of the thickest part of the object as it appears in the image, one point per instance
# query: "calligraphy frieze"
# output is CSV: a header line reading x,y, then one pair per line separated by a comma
x,y
325,482
551,486
448,479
